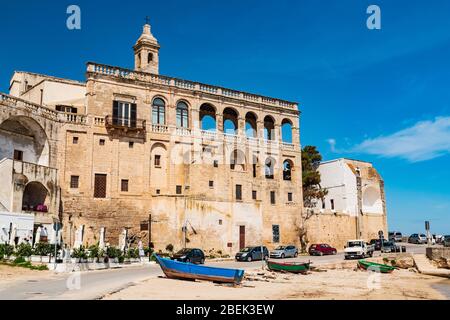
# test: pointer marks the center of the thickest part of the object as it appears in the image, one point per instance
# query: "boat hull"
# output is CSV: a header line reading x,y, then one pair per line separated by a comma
x,y
187,271
289,267
376,267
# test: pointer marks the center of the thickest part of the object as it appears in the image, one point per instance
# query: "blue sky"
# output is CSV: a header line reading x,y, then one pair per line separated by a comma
x,y
377,95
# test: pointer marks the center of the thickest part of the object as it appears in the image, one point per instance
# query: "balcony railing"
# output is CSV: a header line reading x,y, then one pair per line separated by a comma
x,y
125,123
110,71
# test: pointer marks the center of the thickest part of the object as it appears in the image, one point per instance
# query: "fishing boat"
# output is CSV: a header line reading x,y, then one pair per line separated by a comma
x,y
377,267
293,267
188,271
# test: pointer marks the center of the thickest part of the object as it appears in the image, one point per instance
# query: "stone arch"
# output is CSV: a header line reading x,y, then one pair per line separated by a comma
x,y
251,128
35,195
230,121
287,169
269,128
269,168
24,134
286,131
159,165
371,201
207,117
237,160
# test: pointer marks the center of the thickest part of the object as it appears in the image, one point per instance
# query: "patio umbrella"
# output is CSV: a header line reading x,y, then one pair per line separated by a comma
x,y
37,237
101,243
12,236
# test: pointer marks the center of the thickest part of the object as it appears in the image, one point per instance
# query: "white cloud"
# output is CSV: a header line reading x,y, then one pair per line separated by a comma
x,y
425,140
332,143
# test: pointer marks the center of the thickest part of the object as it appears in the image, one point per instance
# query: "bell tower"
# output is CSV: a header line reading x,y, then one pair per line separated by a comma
x,y
146,52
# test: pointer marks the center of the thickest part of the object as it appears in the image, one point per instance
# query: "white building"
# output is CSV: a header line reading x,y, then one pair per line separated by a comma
x,y
355,199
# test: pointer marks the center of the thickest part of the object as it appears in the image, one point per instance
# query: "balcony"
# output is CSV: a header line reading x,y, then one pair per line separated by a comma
x,y
125,125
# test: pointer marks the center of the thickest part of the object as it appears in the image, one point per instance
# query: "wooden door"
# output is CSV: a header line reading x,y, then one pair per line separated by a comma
x,y
241,237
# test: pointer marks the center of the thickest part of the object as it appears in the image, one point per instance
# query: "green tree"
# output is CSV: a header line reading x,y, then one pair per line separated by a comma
x,y
312,190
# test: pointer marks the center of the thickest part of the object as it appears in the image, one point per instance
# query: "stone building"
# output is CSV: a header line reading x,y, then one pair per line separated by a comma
x,y
209,166
355,206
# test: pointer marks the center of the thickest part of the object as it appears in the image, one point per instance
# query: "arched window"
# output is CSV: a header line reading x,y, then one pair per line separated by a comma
x,y
255,165
208,117
182,115
250,125
237,160
270,168
269,128
159,111
286,131
230,121
287,170
35,197
150,57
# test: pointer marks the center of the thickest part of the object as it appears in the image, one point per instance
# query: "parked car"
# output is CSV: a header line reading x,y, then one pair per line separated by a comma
x,y
252,254
358,249
376,243
447,241
391,247
395,236
284,252
190,256
438,238
417,238
321,249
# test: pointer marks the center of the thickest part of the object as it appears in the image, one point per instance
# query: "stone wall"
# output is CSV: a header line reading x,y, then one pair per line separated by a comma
x,y
438,253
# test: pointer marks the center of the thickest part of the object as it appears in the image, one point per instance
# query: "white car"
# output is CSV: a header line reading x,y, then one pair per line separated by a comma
x,y
358,249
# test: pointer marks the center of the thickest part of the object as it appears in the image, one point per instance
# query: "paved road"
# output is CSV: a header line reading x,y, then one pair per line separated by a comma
x,y
93,284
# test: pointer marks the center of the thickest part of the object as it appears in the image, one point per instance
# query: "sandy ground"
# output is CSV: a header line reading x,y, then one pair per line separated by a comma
x,y
341,284
10,274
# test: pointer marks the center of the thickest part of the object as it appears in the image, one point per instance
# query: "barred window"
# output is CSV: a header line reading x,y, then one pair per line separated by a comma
x,y
100,186
74,182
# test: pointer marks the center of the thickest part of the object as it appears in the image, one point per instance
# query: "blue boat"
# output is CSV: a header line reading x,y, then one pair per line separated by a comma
x,y
188,271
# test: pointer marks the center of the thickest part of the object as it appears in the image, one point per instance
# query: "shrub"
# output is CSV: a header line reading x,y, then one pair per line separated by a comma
x,y
42,249
94,251
148,251
113,252
24,250
169,247
19,260
132,253
79,253
6,250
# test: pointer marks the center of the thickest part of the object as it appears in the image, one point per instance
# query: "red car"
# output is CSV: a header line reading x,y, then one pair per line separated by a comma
x,y
321,249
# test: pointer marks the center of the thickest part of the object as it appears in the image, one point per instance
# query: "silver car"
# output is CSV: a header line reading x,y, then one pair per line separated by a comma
x,y
282,252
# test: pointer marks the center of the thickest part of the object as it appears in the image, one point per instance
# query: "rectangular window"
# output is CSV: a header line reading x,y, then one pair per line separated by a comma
x,y
101,142
124,185
124,114
332,204
272,197
74,182
100,186
238,192
18,155
211,184
216,164
276,233
67,109
131,144
157,160
179,190
254,195
323,204
158,191
289,196
75,140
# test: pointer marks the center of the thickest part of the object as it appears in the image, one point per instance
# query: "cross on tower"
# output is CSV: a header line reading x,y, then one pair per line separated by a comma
x,y
147,20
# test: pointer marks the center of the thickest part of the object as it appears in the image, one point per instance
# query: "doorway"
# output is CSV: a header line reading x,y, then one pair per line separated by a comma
x,y
241,237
